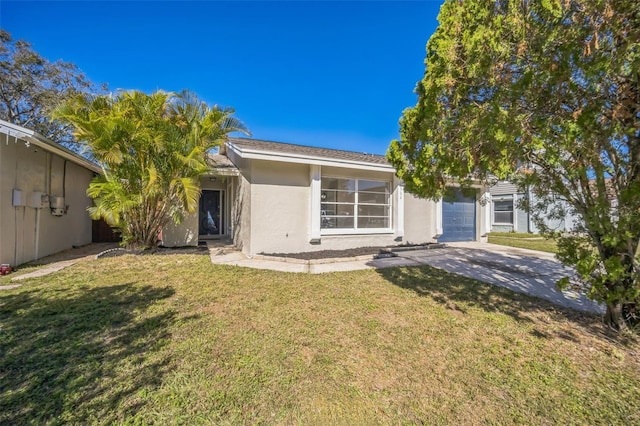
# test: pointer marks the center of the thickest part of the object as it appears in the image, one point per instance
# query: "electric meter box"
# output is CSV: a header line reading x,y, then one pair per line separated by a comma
x,y
37,200
57,206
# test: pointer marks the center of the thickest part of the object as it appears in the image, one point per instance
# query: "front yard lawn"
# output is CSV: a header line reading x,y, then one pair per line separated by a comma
x,y
175,340
523,240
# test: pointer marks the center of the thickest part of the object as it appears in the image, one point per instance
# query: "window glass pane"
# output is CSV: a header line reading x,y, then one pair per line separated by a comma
x,y
373,198
346,197
372,186
329,222
337,196
373,210
337,183
336,209
338,203
373,222
344,222
503,211
503,217
330,183
503,206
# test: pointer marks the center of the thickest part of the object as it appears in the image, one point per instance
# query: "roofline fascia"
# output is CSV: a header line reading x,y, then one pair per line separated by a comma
x,y
213,171
37,139
255,154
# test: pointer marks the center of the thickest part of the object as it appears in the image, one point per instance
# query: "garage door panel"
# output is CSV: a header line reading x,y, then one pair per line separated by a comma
x,y
458,219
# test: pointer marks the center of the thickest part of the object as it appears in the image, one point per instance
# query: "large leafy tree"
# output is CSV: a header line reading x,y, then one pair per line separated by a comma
x,y
545,93
152,148
31,87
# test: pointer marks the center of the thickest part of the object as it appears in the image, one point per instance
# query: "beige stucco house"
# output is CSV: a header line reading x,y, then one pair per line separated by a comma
x,y
266,197
43,201
271,197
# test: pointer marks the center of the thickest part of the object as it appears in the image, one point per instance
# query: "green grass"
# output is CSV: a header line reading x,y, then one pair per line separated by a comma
x,y
523,240
175,340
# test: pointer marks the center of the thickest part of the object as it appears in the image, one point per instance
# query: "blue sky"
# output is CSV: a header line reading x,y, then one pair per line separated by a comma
x,y
333,74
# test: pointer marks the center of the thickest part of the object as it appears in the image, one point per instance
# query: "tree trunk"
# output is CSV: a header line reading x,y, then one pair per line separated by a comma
x,y
613,317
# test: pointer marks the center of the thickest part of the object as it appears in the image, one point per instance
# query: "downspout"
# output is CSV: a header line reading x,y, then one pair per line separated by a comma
x,y
529,225
438,207
227,208
37,242
15,209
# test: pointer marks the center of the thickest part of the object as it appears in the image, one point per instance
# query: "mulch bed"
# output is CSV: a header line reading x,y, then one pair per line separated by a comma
x,y
155,251
327,254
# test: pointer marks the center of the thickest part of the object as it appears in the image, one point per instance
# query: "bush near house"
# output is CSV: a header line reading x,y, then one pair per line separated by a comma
x,y
152,149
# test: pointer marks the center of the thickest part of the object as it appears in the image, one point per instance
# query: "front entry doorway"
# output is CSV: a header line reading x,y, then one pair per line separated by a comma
x,y
211,213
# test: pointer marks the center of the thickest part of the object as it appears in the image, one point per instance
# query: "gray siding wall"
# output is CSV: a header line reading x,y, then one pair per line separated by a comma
x,y
502,188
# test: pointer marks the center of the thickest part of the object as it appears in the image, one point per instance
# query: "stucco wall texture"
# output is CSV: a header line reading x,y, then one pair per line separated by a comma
x,y
269,208
27,233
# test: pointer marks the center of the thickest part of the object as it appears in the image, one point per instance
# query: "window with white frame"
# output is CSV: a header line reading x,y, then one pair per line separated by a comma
x,y
353,204
503,210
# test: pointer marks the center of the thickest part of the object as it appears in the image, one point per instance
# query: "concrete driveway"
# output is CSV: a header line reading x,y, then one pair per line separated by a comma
x,y
525,271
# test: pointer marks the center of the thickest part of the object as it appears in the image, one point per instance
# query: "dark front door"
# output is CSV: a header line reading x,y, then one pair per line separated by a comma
x,y
101,232
211,221
458,218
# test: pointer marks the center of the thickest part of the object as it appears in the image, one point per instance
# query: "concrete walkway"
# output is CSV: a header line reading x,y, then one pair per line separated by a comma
x,y
59,261
228,255
525,271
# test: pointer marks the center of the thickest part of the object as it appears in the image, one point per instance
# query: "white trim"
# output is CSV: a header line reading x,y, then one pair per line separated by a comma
x,y
356,203
486,211
399,210
361,231
315,175
438,218
503,197
255,154
223,171
515,213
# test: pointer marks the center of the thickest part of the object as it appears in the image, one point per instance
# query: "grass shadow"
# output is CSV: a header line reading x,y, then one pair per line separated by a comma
x,y
71,254
459,293
74,356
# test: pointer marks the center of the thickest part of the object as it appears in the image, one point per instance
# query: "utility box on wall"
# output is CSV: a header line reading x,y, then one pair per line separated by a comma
x,y
57,206
18,198
37,200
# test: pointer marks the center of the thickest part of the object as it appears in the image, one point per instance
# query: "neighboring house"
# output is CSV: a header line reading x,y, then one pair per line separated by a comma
x,y
43,201
271,197
508,216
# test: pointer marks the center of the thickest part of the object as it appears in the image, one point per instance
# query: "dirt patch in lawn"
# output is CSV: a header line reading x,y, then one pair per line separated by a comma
x,y
360,251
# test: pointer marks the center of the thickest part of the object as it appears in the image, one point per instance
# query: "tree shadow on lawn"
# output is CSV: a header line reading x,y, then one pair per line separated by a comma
x,y
75,356
457,292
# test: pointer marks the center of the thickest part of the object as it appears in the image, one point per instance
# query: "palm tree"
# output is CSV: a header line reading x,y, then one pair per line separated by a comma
x,y
152,149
